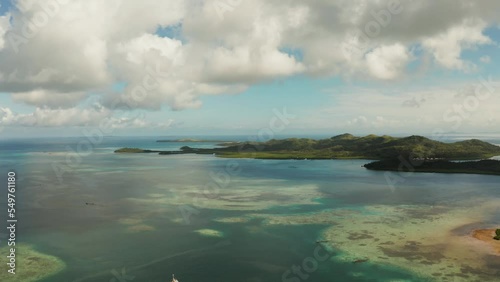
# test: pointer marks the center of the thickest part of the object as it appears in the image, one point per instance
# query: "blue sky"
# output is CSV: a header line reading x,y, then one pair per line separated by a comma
x,y
222,75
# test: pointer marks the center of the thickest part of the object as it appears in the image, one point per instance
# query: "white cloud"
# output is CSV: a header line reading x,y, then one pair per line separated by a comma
x,y
82,47
70,48
388,62
44,117
485,59
76,117
135,49
358,121
49,98
448,46
4,27
244,64
449,108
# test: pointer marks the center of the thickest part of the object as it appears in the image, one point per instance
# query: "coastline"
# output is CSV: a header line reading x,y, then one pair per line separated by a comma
x,y
486,237
420,239
413,153
484,167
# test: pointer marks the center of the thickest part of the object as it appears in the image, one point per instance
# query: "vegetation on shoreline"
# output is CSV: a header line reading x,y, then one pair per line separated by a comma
x,y
433,156
440,166
346,146
134,151
187,140
497,232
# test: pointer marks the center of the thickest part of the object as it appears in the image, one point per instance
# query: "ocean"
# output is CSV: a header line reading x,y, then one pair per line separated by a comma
x,y
87,214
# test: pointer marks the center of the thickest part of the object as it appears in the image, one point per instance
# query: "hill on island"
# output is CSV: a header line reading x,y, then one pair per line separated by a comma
x,y
367,147
390,152
345,146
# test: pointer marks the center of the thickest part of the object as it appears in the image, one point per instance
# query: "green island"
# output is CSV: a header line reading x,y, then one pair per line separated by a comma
x,y
189,140
389,153
134,150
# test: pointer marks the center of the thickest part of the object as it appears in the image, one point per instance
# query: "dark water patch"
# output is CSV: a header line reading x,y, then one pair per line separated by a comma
x,y
415,252
467,228
359,235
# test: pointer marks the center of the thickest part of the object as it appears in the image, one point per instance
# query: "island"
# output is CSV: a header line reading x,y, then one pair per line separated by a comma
x,y
190,140
387,152
134,150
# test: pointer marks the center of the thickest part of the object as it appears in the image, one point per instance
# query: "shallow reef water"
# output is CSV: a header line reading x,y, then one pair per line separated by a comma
x,y
148,216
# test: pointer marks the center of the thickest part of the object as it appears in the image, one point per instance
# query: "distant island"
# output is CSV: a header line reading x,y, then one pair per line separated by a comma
x,y
189,140
388,152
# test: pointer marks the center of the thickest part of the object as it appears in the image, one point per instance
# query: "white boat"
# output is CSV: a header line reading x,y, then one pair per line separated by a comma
x,y
173,279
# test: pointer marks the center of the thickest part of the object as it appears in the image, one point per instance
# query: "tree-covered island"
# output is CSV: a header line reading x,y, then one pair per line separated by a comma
x,y
425,155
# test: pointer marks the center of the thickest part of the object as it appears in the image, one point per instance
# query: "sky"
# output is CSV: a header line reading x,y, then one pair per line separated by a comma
x,y
260,67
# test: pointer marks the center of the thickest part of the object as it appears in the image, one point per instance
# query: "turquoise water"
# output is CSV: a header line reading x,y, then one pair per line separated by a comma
x,y
111,212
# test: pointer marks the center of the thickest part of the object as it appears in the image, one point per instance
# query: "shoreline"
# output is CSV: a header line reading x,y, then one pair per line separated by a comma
x,y
486,236
478,167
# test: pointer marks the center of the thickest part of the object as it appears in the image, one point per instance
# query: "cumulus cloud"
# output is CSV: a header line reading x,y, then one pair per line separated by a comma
x,y
65,46
447,46
4,27
387,62
49,99
54,54
44,117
